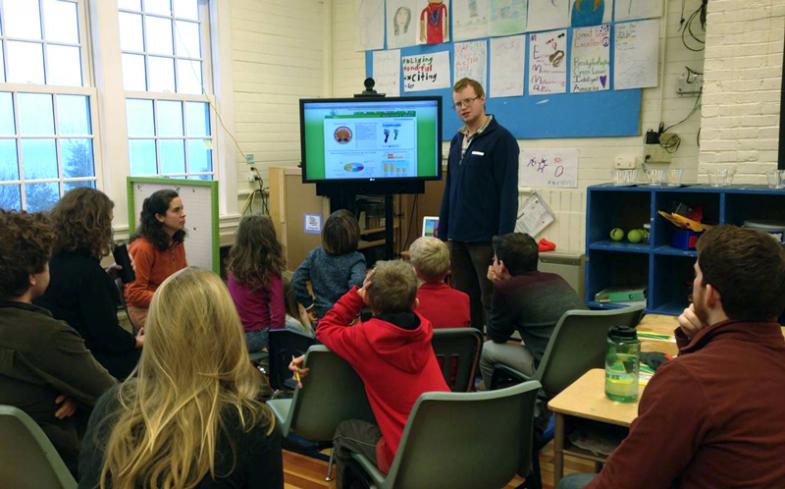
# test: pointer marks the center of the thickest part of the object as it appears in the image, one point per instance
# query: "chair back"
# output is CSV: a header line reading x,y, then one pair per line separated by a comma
x,y
29,460
578,344
332,392
283,345
466,440
457,351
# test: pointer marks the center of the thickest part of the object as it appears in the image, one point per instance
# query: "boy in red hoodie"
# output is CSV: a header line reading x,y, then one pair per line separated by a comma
x,y
391,353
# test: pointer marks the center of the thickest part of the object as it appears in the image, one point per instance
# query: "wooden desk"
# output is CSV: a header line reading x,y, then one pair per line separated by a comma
x,y
585,398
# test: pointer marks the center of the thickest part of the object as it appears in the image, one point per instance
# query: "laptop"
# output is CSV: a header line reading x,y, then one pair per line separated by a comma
x,y
430,226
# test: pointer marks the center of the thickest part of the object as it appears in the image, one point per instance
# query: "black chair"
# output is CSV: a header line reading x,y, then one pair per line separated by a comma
x,y
458,352
283,345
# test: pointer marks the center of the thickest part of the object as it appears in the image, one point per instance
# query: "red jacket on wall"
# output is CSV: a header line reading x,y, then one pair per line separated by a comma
x,y
395,364
711,418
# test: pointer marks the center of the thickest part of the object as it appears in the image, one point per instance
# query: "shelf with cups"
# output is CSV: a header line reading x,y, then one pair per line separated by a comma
x,y
663,265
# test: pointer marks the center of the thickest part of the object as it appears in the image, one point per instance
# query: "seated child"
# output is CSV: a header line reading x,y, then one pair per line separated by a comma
x,y
333,268
442,305
391,353
296,317
255,265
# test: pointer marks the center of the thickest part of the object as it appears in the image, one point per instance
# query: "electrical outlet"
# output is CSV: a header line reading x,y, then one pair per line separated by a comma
x,y
625,162
656,154
689,83
250,159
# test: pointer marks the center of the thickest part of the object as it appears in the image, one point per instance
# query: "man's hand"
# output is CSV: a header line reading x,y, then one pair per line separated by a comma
x,y
299,372
689,322
67,407
367,283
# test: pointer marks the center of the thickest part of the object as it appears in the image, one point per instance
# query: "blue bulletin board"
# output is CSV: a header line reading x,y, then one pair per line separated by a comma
x,y
608,113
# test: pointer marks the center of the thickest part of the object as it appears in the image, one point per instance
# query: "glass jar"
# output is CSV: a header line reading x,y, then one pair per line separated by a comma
x,y
622,364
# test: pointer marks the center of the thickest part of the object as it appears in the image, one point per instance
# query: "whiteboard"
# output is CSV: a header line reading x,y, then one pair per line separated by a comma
x,y
200,201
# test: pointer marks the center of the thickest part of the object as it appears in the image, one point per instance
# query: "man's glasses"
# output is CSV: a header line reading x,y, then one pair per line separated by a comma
x,y
464,103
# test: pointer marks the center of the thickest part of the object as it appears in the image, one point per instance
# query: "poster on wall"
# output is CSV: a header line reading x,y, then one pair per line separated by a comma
x,y
370,31
433,21
507,55
591,59
636,54
584,13
387,72
401,23
548,14
470,61
426,71
470,19
637,9
555,168
548,62
508,17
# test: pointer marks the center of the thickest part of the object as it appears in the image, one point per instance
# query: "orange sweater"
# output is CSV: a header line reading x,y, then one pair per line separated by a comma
x,y
151,266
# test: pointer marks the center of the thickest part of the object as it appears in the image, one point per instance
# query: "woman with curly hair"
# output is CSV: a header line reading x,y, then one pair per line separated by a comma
x,y
157,250
190,416
81,293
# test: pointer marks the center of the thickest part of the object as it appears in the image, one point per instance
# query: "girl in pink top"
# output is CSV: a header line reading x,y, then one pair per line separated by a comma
x,y
255,265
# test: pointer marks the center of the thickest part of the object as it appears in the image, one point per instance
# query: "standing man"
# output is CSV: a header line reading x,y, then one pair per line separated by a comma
x,y
481,195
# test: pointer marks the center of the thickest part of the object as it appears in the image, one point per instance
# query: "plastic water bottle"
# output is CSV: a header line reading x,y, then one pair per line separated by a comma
x,y
622,364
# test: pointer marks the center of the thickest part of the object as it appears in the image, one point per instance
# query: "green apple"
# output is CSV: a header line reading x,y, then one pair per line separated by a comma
x,y
617,234
635,236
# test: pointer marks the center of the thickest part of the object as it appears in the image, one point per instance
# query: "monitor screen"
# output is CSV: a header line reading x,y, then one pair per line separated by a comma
x,y
359,139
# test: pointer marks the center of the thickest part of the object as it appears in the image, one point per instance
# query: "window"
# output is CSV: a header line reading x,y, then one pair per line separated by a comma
x,y
46,118
165,74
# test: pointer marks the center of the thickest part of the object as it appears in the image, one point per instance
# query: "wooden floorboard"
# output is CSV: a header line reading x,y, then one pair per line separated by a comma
x,y
301,472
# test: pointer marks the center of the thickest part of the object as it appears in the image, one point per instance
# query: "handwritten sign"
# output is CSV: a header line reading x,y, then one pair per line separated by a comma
x,y
387,72
426,71
507,54
591,59
548,62
470,61
637,52
548,168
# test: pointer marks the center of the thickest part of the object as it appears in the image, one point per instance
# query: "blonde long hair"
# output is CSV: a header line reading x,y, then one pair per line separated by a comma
x,y
194,367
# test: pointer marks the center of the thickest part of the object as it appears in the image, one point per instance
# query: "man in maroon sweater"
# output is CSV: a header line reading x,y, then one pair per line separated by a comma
x,y
713,417
391,353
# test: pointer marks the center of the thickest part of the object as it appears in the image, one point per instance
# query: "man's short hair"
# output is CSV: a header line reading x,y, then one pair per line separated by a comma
x,y
430,258
518,251
747,268
393,287
468,82
25,248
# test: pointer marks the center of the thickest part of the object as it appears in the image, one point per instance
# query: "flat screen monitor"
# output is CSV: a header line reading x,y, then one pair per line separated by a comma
x,y
371,140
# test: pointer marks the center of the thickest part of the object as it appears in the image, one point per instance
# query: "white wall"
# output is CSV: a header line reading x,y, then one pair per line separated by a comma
x,y
744,49
596,154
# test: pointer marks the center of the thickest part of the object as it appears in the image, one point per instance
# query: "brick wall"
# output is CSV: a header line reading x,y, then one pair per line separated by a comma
x,y
741,99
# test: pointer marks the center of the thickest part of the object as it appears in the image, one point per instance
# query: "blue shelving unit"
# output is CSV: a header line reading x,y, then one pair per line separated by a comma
x,y
667,272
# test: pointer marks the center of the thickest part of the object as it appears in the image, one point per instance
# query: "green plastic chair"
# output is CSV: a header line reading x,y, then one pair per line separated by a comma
x,y
474,440
28,460
332,392
578,344
458,352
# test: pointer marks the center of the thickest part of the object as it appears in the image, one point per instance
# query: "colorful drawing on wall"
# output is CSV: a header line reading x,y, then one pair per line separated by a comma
x,y
370,32
401,23
470,19
547,62
584,13
426,71
548,14
507,55
591,59
434,22
508,17
470,61
540,167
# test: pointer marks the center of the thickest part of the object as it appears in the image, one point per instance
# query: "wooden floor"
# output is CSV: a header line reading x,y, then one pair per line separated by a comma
x,y
301,472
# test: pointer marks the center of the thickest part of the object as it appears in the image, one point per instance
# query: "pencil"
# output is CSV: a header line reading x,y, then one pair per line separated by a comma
x,y
296,375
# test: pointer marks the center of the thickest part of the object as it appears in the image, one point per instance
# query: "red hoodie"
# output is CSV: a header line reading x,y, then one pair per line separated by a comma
x,y
395,364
